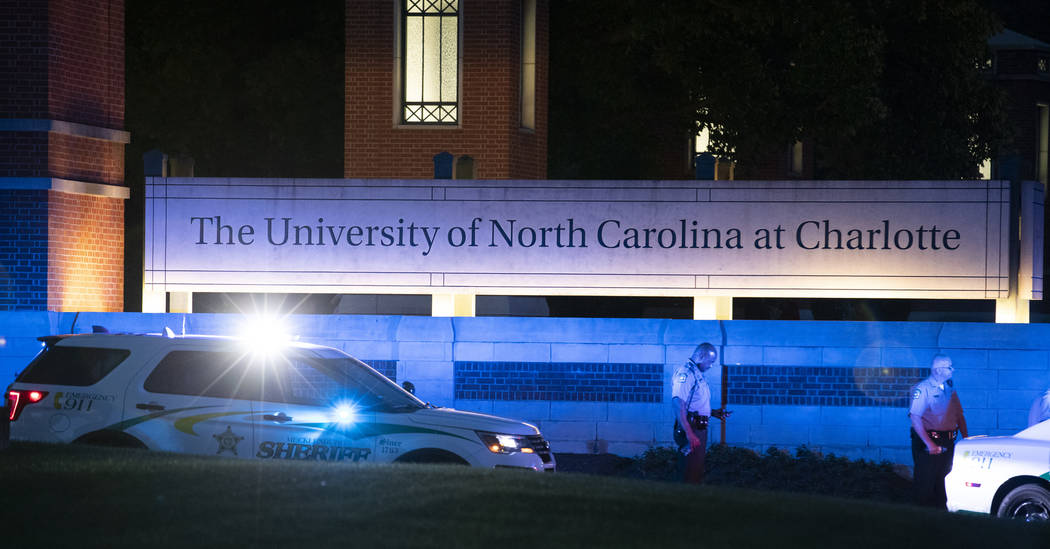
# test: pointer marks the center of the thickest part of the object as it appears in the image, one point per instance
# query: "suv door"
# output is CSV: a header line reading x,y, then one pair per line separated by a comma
x,y
306,413
195,401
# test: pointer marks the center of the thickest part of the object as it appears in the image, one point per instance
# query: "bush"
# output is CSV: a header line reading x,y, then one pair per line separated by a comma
x,y
776,469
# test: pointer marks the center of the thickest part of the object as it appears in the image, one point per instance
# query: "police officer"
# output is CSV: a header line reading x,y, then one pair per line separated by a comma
x,y
691,400
936,414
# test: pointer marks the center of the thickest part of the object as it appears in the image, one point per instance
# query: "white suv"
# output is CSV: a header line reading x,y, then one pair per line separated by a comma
x,y
1007,476
212,396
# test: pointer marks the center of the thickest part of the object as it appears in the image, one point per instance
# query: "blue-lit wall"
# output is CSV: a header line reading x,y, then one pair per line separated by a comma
x,y
603,384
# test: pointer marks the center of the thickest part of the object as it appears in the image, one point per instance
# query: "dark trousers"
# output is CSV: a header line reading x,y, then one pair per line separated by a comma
x,y
930,470
694,460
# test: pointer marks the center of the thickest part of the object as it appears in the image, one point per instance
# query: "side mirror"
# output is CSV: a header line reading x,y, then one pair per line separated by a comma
x,y
408,386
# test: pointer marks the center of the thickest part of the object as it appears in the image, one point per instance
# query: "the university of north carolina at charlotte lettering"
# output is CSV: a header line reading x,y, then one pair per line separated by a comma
x,y
568,233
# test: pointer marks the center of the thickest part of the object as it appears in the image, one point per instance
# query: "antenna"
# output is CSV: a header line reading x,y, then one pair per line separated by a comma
x,y
73,328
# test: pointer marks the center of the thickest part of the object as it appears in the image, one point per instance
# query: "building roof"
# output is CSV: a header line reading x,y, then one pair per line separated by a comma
x,y
1011,40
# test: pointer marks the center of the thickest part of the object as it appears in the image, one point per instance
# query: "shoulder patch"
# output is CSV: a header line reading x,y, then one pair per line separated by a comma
x,y
916,393
681,378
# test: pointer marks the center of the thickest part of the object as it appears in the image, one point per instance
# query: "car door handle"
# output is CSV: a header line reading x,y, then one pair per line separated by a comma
x,y
280,417
151,406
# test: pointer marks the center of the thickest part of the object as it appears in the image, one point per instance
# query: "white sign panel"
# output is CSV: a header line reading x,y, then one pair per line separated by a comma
x,y
940,239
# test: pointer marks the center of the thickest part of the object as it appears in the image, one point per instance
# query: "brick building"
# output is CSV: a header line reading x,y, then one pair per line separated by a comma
x,y
62,155
464,77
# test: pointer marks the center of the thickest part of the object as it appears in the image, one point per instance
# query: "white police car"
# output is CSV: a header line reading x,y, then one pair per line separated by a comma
x,y
1007,476
213,396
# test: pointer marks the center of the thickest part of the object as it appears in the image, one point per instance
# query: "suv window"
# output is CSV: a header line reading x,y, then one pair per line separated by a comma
x,y
293,380
205,373
306,379
78,366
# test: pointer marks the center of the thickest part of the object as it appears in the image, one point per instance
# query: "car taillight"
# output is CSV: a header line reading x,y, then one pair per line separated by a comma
x,y
17,399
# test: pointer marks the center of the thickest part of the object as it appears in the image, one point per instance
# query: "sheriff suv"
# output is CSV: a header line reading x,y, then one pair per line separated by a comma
x,y
1006,476
212,396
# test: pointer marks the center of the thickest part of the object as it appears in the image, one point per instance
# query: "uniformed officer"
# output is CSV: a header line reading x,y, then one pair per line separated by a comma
x,y
691,400
1040,410
936,414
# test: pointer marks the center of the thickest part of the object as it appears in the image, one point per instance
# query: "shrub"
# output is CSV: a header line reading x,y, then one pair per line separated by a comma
x,y
777,469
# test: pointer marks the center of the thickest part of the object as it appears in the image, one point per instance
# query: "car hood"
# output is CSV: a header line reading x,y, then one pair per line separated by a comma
x,y
447,417
1007,441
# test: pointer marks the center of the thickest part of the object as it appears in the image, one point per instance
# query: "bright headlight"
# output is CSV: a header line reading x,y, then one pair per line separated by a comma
x,y
504,444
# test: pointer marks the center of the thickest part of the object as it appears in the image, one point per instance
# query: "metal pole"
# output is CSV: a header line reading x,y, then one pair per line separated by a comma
x,y
725,396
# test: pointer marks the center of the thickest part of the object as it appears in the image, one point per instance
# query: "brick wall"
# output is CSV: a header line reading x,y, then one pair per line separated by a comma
x,y
23,250
23,59
84,159
85,253
62,61
86,62
489,116
23,154
39,154
568,381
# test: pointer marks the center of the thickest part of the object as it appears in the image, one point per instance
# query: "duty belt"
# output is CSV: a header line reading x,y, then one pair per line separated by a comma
x,y
941,436
697,421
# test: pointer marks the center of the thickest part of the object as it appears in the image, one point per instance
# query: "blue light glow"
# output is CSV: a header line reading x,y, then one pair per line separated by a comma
x,y
344,414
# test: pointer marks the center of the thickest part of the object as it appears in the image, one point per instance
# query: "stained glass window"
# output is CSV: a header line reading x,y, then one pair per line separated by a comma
x,y
430,61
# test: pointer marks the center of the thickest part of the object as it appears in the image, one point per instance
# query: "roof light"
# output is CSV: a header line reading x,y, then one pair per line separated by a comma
x,y
265,334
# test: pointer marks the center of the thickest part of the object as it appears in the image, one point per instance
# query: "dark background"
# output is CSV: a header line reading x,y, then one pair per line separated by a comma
x,y
255,89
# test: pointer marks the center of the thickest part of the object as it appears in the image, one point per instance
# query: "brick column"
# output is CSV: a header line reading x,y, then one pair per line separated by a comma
x,y
62,143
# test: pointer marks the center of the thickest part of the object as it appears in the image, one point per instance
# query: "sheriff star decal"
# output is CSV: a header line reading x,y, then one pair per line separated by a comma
x,y
227,441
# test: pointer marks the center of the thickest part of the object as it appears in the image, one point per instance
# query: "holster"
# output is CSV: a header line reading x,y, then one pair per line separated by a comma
x,y
941,437
696,421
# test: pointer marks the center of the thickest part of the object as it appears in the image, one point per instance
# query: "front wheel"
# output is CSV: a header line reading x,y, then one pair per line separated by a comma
x,y
1027,502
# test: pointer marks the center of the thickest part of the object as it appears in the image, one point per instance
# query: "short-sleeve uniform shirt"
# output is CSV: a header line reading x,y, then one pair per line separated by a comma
x,y
937,405
689,385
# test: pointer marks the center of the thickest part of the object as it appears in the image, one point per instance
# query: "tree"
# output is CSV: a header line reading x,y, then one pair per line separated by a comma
x,y
247,88
886,89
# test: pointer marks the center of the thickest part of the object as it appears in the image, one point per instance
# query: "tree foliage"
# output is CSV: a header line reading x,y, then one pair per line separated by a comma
x,y
247,88
885,89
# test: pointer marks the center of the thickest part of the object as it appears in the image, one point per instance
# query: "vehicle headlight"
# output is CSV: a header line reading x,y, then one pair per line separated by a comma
x,y
505,444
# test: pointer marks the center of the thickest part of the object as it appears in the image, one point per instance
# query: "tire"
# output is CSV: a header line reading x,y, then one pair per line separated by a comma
x,y
112,439
1028,502
432,456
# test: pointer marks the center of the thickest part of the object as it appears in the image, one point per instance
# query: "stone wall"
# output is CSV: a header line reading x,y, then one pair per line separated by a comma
x,y
602,385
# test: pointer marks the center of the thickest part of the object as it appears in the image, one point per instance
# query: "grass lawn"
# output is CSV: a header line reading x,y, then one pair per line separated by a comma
x,y
74,496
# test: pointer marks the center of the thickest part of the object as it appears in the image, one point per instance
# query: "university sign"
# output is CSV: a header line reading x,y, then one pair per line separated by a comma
x,y
939,239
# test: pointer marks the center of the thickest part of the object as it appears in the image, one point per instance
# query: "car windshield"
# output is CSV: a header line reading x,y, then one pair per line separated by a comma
x,y
327,377
1039,431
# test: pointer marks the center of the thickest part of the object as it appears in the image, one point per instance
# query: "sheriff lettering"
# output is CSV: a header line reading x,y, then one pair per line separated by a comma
x,y
313,452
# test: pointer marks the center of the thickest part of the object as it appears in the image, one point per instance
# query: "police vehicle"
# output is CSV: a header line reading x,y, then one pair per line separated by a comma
x,y
1007,476
215,396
